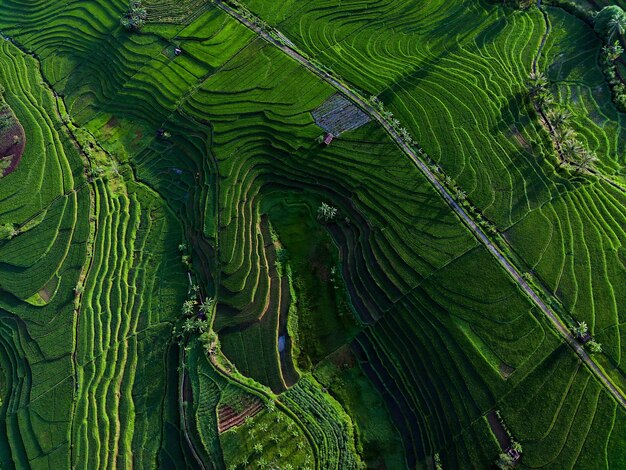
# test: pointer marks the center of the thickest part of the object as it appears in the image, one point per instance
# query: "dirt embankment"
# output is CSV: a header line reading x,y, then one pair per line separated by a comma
x,y
12,141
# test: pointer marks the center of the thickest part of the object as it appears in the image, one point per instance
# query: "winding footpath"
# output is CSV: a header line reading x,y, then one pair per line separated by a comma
x,y
443,191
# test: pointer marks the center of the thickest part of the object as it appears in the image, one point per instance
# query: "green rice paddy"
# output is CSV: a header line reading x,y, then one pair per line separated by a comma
x,y
182,163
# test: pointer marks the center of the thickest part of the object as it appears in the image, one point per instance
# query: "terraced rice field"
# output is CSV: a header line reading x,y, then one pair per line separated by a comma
x,y
143,157
436,70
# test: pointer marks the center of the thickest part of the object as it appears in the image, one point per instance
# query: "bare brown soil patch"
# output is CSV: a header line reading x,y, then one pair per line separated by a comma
x,y
12,142
228,417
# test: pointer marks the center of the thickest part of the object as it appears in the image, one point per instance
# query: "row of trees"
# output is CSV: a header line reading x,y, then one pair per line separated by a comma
x,y
570,148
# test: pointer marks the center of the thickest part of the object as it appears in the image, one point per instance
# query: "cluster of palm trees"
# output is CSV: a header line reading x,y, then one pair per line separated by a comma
x,y
610,53
135,18
571,150
197,323
610,24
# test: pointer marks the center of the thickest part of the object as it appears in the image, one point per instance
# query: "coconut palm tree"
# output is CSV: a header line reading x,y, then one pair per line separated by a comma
x,y
564,134
544,98
326,212
537,83
189,325
617,26
571,148
581,329
188,306
201,326
586,160
558,117
206,304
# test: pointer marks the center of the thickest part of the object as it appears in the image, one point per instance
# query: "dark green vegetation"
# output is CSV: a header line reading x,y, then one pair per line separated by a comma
x,y
376,331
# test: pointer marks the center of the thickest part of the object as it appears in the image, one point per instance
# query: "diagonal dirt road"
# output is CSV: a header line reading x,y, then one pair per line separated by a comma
x,y
443,191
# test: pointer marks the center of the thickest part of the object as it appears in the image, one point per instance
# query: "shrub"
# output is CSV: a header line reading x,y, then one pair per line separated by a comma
x,y
7,231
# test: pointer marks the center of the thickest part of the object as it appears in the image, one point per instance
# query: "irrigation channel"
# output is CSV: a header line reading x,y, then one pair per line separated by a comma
x,y
469,222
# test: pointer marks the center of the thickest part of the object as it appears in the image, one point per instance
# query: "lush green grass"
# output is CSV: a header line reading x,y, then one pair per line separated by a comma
x,y
583,427
129,298
322,310
46,201
444,336
455,74
378,439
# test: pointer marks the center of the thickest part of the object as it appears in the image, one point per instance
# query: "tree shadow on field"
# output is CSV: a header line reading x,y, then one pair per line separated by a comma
x,y
526,147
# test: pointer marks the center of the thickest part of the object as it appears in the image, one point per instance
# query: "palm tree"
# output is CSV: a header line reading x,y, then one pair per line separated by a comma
x,y
558,117
200,325
586,160
189,325
538,82
206,304
326,212
581,329
544,98
617,26
188,306
258,447
571,148
563,134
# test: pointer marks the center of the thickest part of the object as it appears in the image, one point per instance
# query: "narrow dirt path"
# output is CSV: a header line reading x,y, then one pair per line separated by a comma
x,y
443,191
